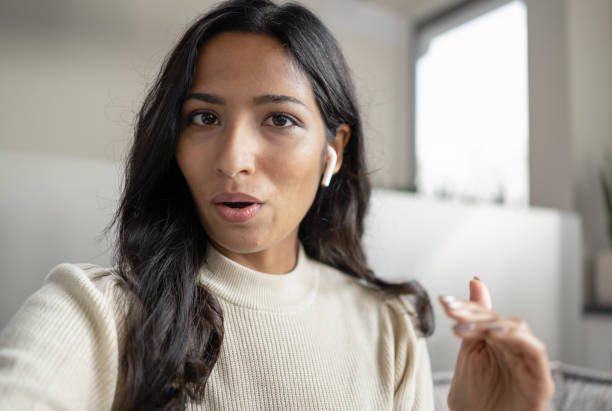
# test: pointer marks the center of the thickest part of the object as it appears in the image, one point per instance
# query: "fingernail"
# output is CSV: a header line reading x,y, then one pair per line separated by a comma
x,y
448,298
476,278
453,305
463,327
451,302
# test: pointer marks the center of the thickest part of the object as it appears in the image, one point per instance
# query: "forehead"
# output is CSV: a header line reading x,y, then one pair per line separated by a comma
x,y
245,63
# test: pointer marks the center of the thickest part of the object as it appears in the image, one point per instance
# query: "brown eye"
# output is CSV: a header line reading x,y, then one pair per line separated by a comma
x,y
281,121
204,119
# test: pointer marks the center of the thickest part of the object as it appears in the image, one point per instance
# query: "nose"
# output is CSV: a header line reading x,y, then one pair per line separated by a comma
x,y
236,154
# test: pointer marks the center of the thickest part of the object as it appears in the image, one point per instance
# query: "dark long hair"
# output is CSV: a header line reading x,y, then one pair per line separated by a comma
x,y
174,325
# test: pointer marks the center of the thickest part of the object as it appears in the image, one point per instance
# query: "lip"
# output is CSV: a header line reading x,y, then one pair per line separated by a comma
x,y
236,215
235,198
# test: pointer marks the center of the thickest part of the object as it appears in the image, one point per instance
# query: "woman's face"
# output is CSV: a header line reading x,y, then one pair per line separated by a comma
x,y
252,146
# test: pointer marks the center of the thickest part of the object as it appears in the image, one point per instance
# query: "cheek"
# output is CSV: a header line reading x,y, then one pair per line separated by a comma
x,y
190,160
297,178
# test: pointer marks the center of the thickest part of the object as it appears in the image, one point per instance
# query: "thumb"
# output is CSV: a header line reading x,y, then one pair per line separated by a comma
x,y
480,293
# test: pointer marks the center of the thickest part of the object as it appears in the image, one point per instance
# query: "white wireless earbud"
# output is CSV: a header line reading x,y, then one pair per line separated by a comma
x,y
329,170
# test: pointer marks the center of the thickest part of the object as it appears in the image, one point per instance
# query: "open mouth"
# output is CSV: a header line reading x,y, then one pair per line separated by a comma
x,y
237,205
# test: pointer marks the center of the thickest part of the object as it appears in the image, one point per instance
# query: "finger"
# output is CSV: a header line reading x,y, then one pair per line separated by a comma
x,y
480,293
522,342
484,329
466,311
511,337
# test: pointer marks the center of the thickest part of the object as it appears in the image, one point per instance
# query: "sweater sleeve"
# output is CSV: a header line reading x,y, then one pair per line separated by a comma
x,y
60,350
413,384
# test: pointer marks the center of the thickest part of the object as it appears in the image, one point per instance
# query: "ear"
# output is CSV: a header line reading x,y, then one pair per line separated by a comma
x,y
343,133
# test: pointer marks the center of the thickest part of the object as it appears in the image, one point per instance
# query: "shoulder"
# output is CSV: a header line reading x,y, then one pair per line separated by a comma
x,y
74,299
390,322
396,313
83,279
92,290
406,349
82,275
69,325
402,315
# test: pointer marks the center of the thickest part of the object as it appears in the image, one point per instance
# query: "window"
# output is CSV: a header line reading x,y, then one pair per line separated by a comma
x,y
471,104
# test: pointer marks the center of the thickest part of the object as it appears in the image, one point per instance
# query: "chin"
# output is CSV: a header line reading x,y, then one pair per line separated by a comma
x,y
240,244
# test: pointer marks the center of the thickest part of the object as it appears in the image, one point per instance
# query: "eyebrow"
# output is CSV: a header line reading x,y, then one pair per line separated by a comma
x,y
259,100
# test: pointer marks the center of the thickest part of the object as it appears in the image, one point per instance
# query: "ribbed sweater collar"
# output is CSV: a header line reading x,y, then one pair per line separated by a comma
x,y
260,291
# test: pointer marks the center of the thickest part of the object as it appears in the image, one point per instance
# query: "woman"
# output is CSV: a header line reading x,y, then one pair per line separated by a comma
x,y
240,280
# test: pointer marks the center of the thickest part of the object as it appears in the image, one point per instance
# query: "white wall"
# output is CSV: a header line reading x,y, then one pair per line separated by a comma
x,y
52,210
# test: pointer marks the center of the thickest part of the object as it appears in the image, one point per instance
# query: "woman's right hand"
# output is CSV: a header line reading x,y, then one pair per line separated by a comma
x,y
501,365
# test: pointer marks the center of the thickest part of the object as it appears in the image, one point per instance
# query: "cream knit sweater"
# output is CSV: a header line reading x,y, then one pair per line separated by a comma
x,y
312,339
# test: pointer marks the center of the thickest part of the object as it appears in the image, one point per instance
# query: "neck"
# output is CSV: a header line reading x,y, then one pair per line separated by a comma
x,y
279,259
